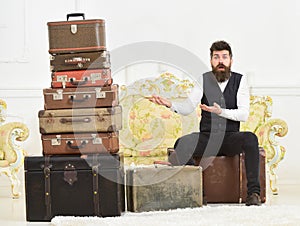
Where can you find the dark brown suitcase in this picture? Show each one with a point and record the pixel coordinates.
(80, 61)
(80, 143)
(73, 186)
(87, 97)
(81, 78)
(224, 178)
(221, 179)
(80, 120)
(76, 35)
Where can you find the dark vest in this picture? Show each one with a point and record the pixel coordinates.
(227, 99)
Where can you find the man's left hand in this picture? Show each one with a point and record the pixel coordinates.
(214, 109)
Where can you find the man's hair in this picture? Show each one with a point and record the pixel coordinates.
(219, 46)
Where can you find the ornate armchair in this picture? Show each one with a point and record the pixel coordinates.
(11, 152)
(267, 131)
(149, 129)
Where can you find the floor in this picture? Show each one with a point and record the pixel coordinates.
(13, 213)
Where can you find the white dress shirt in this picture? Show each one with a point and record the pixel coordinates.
(243, 101)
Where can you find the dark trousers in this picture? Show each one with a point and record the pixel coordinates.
(206, 144)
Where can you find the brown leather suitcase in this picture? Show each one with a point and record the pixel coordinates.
(224, 178)
(85, 97)
(80, 61)
(76, 35)
(73, 186)
(221, 179)
(80, 143)
(160, 187)
(81, 78)
(80, 120)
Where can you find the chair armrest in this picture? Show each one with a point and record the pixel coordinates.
(267, 135)
(12, 134)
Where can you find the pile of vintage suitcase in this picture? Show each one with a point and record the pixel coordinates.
(79, 173)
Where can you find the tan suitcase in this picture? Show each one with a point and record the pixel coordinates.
(87, 97)
(80, 143)
(80, 120)
(163, 187)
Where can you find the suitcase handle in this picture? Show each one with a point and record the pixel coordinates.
(85, 98)
(74, 120)
(79, 83)
(108, 82)
(82, 145)
(75, 15)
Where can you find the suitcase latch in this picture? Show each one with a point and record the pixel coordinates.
(95, 76)
(63, 79)
(96, 140)
(73, 28)
(56, 141)
(58, 95)
(70, 174)
(100, 94)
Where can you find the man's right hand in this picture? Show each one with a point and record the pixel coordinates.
(159, 100)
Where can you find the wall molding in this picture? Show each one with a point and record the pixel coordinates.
(275, 90)
(21, 93)
(23, 56)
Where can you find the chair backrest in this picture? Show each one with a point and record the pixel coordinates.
(147, 126)
(260, 112)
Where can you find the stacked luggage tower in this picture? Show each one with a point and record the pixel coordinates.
(79, 172)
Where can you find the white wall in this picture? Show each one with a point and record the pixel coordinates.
(264, 36)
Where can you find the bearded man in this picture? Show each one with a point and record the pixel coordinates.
(224, 101)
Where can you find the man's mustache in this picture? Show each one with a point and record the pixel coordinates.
(221, 66)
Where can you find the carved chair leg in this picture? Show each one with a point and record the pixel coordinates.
(272, 165)
(15, 183)
(273, 179)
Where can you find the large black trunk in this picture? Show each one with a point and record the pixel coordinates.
(73, 186)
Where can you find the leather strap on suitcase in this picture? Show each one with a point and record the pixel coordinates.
(96, 197)
(47, 174)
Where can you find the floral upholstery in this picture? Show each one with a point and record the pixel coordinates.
(149, 129)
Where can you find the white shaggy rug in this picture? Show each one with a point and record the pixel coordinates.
(224, 215)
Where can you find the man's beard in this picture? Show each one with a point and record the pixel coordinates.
(221, 76)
